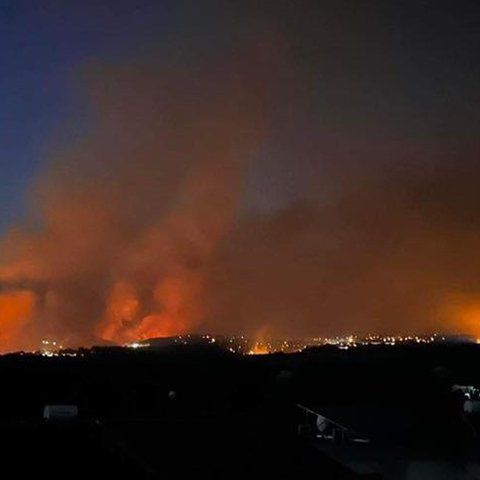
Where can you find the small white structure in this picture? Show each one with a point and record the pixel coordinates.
(60, 412)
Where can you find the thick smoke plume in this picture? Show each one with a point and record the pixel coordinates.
(125, 222)
(384, 238)
(144, 228)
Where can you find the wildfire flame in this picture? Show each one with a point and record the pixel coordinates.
(126, 222)
(259, 349)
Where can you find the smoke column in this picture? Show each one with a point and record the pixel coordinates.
(383, 238)
(125, 221)
(208, 197)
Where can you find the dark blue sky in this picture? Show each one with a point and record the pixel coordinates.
(42, 46)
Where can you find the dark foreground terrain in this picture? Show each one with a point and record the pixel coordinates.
(204, 413)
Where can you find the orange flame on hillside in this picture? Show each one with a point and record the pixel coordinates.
(259, 349)
(127, 221)
(174, 310)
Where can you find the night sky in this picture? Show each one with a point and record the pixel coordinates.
(44, 46)
(293, 167)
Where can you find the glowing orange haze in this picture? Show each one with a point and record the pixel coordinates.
(126, 221)
(16, 309)
(135, 229)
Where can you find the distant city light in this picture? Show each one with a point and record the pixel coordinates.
(136, 345)
(244, 345)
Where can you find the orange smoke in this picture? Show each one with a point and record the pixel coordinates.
(135, 229)
(126, 221)
(461, 313)
(175, 309)
(16, 309)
